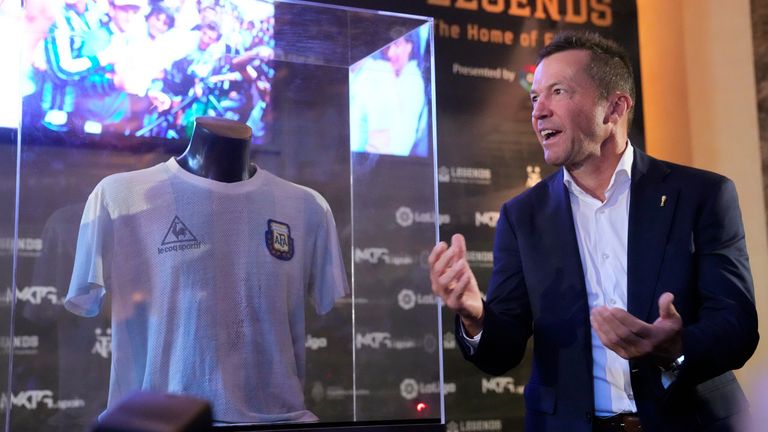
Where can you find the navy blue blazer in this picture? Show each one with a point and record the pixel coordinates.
(692, 246)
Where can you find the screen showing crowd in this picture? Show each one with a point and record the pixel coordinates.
(147, 68)
(390, 98)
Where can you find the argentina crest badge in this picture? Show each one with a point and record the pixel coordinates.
(279, 240)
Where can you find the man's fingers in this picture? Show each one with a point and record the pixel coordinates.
(437, 265)
(443, 261)
(451, 276)
(606, 324)
(465, 278)
(460, 245)
(613, 341)
(457, 290)
(436, 252)
(620, 332)
(452, 279)
(606, 334)
(666, 307)
(621, 319)
(442, 254)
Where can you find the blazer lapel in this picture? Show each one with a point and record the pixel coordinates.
(573, 301)
(651, 209)
(562, 230)
(561, 234)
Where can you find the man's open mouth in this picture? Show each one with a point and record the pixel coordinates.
(548, 134)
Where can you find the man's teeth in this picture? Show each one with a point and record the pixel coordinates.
(548, 133)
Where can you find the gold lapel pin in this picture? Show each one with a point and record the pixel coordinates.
(663, 200)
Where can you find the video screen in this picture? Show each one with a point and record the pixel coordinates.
(10, 28)
(148, 68)
(390, 98)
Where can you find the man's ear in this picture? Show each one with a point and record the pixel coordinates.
(619, 105)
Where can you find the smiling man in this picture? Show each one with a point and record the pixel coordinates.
(630, 273)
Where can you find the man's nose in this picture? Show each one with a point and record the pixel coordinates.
(540, 109)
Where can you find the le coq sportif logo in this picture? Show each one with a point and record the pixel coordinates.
(178, 237)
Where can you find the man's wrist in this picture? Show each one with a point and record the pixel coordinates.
(473, 324)
(471, 327)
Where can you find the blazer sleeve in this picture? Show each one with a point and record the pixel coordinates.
(724, 333)
(507, 323)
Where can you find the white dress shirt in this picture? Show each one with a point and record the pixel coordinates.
(601, 232)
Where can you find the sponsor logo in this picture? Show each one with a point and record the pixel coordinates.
(315, 343)
(376, 255)
(490, 425)
(178, 238)
(320, 392)
(382, 340)
(336, 392)
(279, 240)
(355, 300)
(444, 174)
(424, 259)
(34, 399)
(405, 217)
(534, 175)
(410, 388)
(525, 77)
(34, 295)
(372, 255)
(103, 345)
(317, 393)
(430, 343)
(26, 247)
(465, 175)
(22, 344)
(449, 341)
(501, 385)
(480, 258)
(407, 299)
(489, 218)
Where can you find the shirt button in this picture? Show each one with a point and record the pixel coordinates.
(612, 302)
(606, 256)
(601, 211)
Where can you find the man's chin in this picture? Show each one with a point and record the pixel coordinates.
(554, 160)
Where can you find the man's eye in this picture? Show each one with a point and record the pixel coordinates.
(557, 91)
(534, 99)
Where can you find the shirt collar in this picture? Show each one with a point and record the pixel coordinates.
(623, 171)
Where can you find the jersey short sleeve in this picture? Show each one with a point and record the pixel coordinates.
(92, 257)
(328, 279)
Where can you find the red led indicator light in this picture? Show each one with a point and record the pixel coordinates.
(421, 406)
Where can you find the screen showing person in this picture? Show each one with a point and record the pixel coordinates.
(389, 99)
(147, 68)
(10, 26)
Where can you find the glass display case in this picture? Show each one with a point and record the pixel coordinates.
(338, 100)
